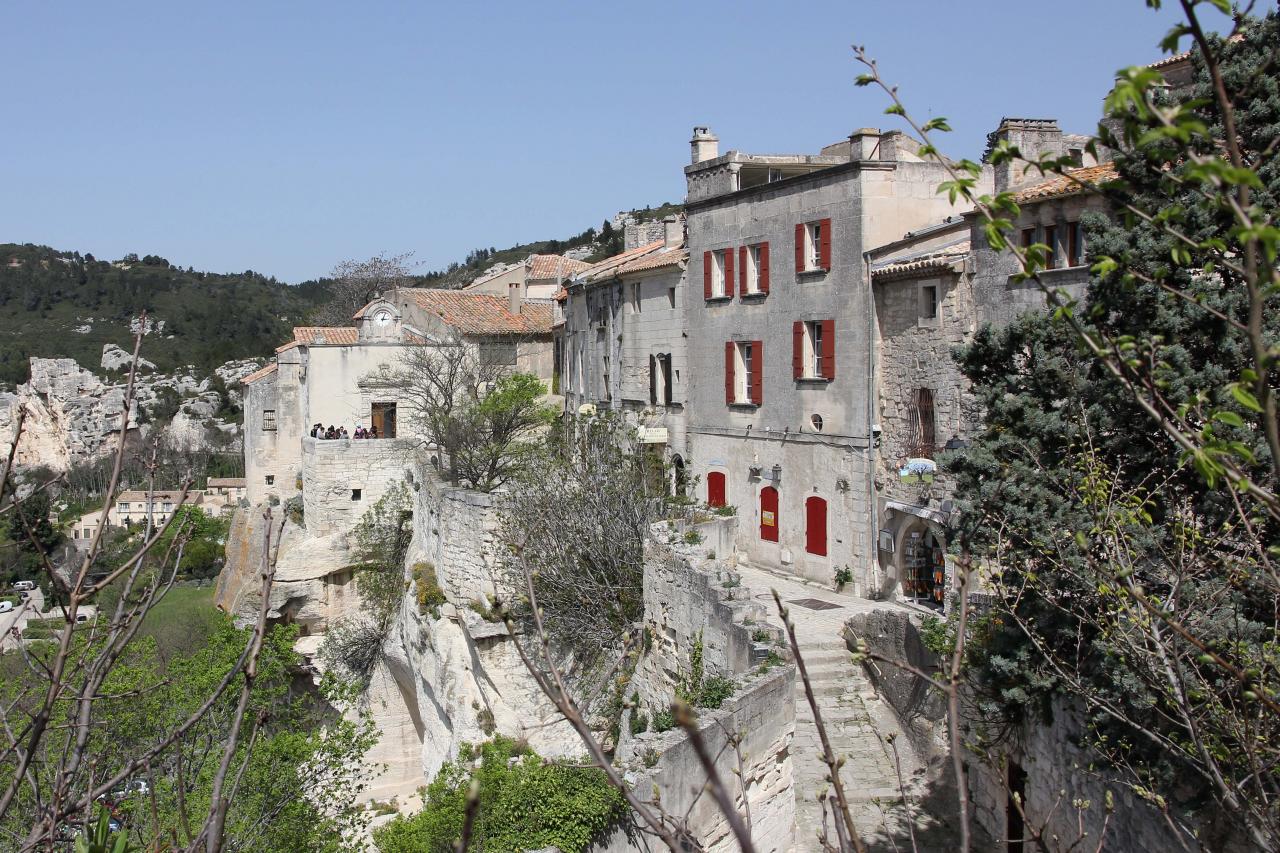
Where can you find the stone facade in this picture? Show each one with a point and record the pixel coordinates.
(816, 433)
(342, 479)
(455, 530)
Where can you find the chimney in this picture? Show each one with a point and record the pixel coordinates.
(1034, 138)
(514, 297)
(673, 232)
(705, 144)
(864, 144)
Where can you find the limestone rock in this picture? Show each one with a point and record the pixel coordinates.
(115, 358)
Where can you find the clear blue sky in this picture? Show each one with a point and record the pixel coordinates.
(287, 137)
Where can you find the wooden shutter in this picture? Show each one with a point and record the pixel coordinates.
(742, 270)
(706, 275)
(824, 245)
(728, 372)
(669, 379)
(728, 273)
(797, 350)
(762, 274)
(757, 372)
(800, 247)
(653, 379)
(829, 349)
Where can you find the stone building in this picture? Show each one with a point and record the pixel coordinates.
(780, 422)
(537, 277)
(334, 376)
(622, 342)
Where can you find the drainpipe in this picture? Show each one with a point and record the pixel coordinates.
(874, 519)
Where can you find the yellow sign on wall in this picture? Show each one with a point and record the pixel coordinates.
(766, 518)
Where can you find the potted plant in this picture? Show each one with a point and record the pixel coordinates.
(843, 576)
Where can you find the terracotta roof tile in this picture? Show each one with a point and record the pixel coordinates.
(258, 374)
(482, 313)
(656, 260)
(609, 266)
(1068, 183)
(312, 336)
(910, 263)
(552, 266)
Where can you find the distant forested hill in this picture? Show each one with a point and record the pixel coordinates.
(64, 304)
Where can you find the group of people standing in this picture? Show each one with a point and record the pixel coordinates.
(320, 431)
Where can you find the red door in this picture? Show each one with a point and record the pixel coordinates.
(815, 526)
(715, 488)
(769, 514)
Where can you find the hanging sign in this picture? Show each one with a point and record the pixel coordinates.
(766, 518)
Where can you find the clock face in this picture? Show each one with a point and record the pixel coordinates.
(382, 318)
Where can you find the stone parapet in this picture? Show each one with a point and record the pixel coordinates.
(342, 478)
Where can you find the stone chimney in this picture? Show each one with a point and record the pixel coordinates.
(1033, 137)
(864, 144)
(673, 232)
(515, 297)
(705, 144)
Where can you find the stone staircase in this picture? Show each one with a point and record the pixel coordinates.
(852, 717)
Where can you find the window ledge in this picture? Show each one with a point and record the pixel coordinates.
(754, 296)
(728, 298)
(816, 272)
(750, 406)
(814, 380)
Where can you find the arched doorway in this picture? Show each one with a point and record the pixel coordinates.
(715, 488)
(815, 526)
(769, 514)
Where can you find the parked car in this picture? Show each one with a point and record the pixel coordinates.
(21, 585)
(6, 606)
(81, 617)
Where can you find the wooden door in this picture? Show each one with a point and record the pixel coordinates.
(715, 488)
(769, 514)
(382, 417)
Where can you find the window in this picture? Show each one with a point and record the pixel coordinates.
(1075, 243)
(717, 274)
(928, 302)
(268, 420)
(660, 379)
(716, 488)
(920, 424)
(607, 394)
(1051, 240)
(744, 373)
(1028, 237)
(497, 354)
(668, 379)
(813, 353)
(355, 494)
(123, 506)
(753, 266)
(271, 479)
(635, 297)
(769, 514)
(774, 175)
(813, 246)
(167, 506)
(671, 298)
(815, 526)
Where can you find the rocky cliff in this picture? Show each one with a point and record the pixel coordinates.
(75, 415)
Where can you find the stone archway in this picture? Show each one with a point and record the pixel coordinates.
(918, 539)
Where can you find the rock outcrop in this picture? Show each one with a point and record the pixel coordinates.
(74, 415)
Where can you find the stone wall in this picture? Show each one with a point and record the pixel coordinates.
(343, 478)
(455, 530)
(1061, 776)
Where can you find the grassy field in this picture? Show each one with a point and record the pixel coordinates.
(182, 620)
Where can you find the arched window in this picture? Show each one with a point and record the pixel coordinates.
(769, 514)
(715, 488)
(815, 526)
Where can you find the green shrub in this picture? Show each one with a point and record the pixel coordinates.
(726, 510)
(664, 721)
(430, 595)
(935, 635)
(714, 691)
(639, 723)
(293, 510)
(693, 537)
(523, 805)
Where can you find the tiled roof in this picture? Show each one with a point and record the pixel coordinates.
(258, 374)
(656, 260)
(193, 497)
(226, 482)
(482, 313)
(1069, 183)
(313, 336)
(909, 264)
(551, 266)
(610, 266)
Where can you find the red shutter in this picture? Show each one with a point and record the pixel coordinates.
(728, 273)
(829, 349)
(715, 488)
(757, 372)
(815, 526)
(742, 271)
(824, 245)
(728, 373)
(797, 350)
(800, 247)
(706, 275)
(763, 273)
